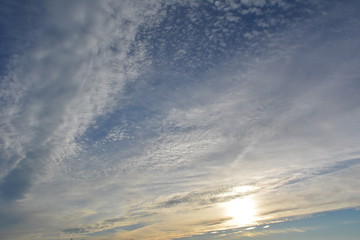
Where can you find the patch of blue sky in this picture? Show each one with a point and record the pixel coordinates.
(12, 15)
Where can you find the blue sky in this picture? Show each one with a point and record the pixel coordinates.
(179, 119)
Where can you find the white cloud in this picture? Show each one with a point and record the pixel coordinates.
(282, 122)
(69, 77)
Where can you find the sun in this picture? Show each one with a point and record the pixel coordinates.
(242, 211)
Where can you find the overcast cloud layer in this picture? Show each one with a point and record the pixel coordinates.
(142, 119)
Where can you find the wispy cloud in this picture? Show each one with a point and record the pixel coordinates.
(143, 119)
(69, 77)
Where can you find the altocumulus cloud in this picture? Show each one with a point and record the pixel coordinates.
(139, 120)
(69, 75)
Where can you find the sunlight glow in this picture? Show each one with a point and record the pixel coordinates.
(242, 211)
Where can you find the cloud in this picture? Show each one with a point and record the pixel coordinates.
(59, 87)
(280, 123)
(146, 118)
(103, 226)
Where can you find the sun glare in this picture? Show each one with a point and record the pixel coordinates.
(242, 211)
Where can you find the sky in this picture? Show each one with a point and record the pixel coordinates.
(179, 119)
